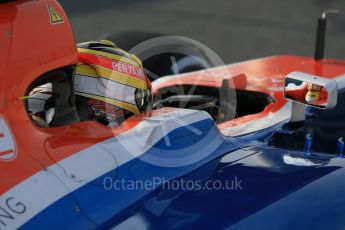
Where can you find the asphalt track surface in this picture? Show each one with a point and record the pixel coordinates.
(235, 30)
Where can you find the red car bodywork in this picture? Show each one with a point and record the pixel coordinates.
(264, 75)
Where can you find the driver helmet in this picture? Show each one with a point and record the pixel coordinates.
(315, 93)
(110, 84)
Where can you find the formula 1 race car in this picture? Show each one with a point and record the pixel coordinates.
(256, 144)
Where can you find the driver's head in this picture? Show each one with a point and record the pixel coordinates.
(315, 92)
(110, 84)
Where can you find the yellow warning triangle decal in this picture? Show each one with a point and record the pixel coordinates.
(55, 17)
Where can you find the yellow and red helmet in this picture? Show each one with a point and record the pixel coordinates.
(316, 94)
(110, 84)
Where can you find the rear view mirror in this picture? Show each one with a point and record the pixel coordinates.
(311, 90)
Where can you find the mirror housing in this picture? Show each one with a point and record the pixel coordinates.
(311, 90)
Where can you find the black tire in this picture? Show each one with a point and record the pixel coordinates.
(188, 56)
